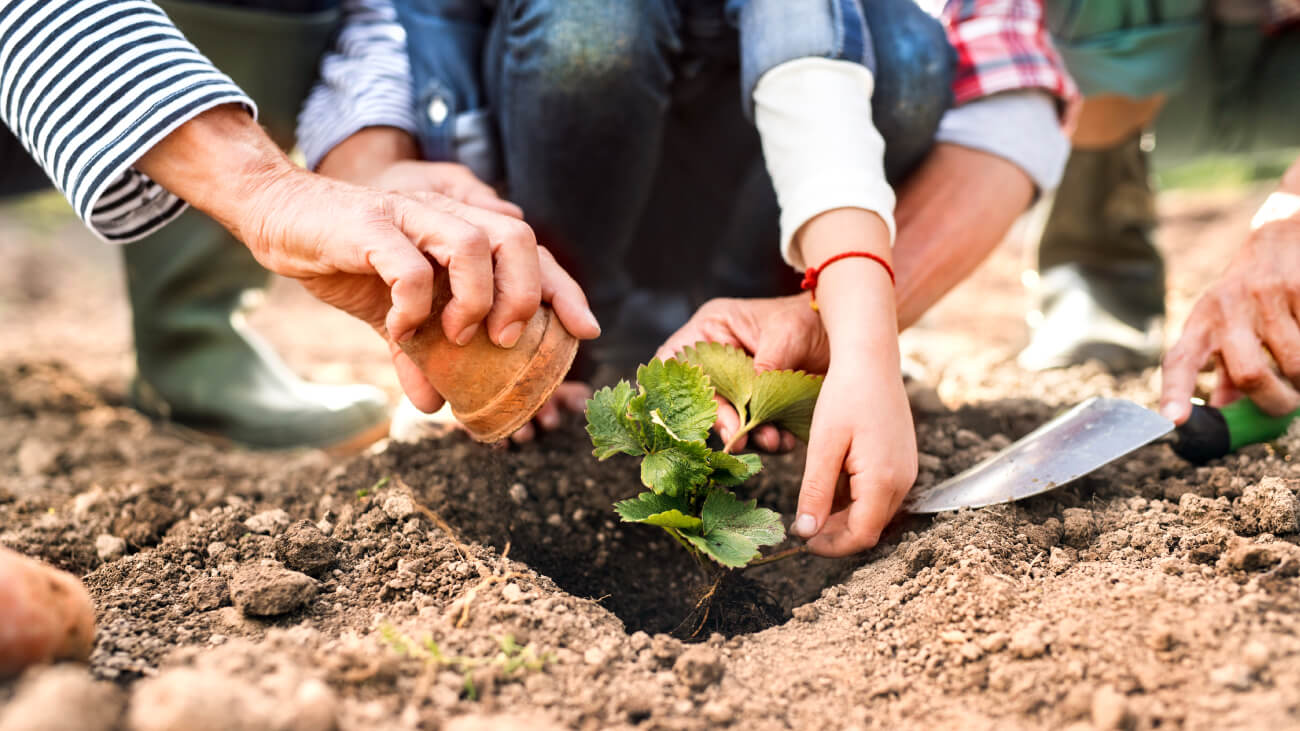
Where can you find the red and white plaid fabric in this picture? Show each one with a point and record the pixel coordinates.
(1003, 45)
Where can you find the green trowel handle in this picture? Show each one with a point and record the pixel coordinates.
(1210, 433)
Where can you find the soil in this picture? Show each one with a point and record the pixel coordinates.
(448, 585)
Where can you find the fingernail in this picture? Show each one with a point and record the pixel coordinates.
(510, 334)
(467, 334)
(405, 337)
(1169, 410)
(804, 526)
(591, 320)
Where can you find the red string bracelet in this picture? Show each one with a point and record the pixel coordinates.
(811, 275)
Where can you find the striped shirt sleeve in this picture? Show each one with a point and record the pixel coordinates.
(365, 81)
(89, 86)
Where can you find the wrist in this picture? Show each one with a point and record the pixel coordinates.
(368, 152)
(855, 295)
(217, 162)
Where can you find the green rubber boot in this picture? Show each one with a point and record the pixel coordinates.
(1101, 286)
(198, 363)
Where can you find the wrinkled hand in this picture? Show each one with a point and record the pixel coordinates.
(1248, 322)
(369, 253)
(372, 255)
(445, 178)
(782, 333)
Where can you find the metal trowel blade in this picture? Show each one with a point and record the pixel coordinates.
(1094, 433)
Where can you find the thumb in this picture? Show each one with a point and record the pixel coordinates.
(778, 348)
(1178, 373)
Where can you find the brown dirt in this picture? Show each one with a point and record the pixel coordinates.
(396, 589)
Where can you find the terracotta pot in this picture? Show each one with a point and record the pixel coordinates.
(493, 390)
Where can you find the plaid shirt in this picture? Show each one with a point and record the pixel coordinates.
(1003, 45)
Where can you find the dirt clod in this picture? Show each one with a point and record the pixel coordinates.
(699, 667)
(1110, 709)
(109, 547)
(304, 547)
(268, 522)
(1269, 506)
(81, 702)
(261, 590)
(1077, 527)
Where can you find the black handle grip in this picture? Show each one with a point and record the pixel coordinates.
(1204, 436)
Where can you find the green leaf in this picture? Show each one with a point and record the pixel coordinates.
(731, 469)
(678, 469)
(728, 549)
(722, 511)
(609, 425)
(680, 394)
(734, 529)
(786, 398)
(730, 370)
(660, 510)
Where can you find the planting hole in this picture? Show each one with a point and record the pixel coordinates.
(551, 501)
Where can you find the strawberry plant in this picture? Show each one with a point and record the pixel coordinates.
(666, 420)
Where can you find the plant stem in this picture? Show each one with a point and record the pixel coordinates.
(779, 555)
(735, 438)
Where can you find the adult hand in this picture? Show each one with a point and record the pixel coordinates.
(388, 158)
(782, 333)
(369, 253)
(1247, 320)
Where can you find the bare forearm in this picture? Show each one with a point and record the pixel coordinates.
(855, 297)
(215, 161)
(366, 154)
(951, 214)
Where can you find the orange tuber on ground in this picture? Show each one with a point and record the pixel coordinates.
(45, 614)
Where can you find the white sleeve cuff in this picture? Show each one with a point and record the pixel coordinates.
(821, 146)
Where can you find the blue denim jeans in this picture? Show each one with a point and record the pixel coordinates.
(622, 139)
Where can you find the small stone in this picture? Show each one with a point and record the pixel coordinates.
(60, 698)
(1061, 559)
(268, 522)
(928, 462)
(1029, 642)
(1234, 676)
(971, 651)
(209, 592)
(805, 613)
(665, 649)
(1256, 655)
(1161, 638)
(36, 457)
(399, 506)
(995, 642)
(216, 548)
(267, 591)
(699, 667)
(195, 700)
(1196, 509)
(639, 641)
(1077, 527)
(594, 656)
(109, 548)
(305, 548)
(718, 713)
(1268, 507)
(518, 493)
(512, 593)
(965, 439)
(1109, 709)
(953, 636)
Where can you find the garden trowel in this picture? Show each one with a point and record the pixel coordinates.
(1088, 436)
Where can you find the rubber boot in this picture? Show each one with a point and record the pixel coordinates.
(198, 363)
(1101, 286)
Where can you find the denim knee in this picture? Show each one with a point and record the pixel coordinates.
(914, 73)
(906, 49)
(589, 47)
